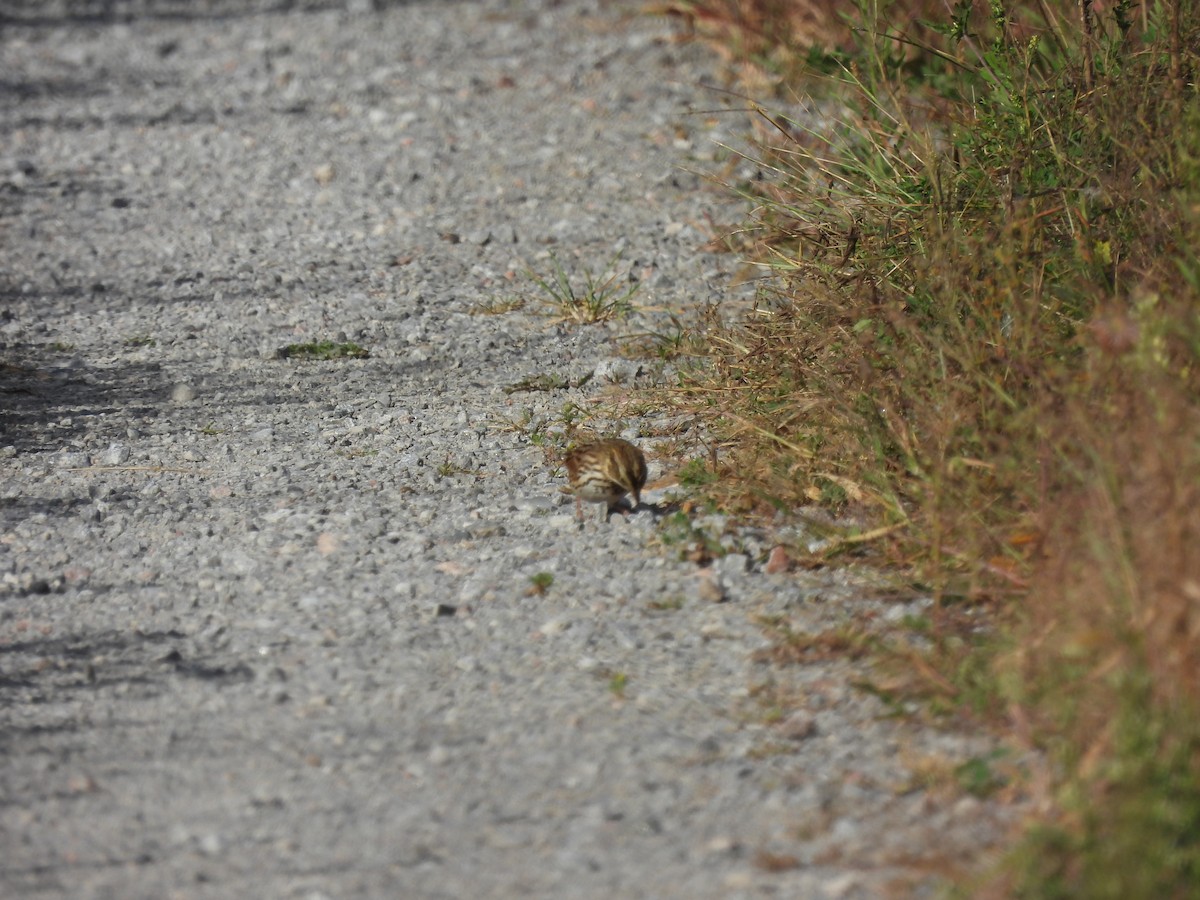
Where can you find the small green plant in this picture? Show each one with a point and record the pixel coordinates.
(140, 340)
(599, 298)
(323, 350)
(617, 684)
(540, 583)
(448, 468)
(571, 414)
(61, 346)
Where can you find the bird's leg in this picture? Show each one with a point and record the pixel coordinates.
(618, 506)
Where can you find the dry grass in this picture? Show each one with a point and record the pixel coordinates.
(980, 334)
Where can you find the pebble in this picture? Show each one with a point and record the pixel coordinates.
(183, 393)
(798, 726)
(709, 587)
(115, 455)
(72, 460)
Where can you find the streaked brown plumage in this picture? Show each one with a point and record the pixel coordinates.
(604, 472)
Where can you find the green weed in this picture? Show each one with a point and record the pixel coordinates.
(600, 296)
(617, 684)
(540, 583)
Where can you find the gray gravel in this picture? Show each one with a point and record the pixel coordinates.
(266, 626)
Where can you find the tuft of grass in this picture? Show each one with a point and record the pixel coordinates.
(978, 330)
(448, 468)
(597, 297)
(323, 350)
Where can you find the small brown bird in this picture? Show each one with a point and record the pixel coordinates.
(604, 472)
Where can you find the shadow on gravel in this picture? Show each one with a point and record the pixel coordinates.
(49, 396)
(20, 90)
(44, 671)
(20, 509)
(50, 13)
(173, 116)
(44, 407)
(77, 704)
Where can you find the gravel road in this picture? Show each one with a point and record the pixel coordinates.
(267, 625)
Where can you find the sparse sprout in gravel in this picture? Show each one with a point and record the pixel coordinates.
(601, 297)
(448, 468)
(617, 684)
(540, 583)
(570, 414)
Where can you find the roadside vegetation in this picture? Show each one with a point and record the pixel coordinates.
(979, 332)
